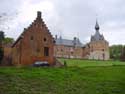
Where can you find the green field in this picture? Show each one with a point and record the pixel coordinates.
(89, 63)
(94, 79)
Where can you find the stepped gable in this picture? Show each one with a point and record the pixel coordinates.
(37, 21)
(35, 44)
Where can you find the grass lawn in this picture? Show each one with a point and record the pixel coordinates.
(88, 63)
(68, 80)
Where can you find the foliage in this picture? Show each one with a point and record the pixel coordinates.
(116, 51)
(67, 80)
(123, 54)
(1, 35)
(8, 40)
(1, 45)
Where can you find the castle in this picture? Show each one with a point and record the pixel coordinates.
(97, 48)
(36, 43)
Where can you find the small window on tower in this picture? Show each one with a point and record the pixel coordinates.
(31, 37)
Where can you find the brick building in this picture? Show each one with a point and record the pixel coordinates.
(97, 48)
(65, 48)
(34, 44)
(37, 44)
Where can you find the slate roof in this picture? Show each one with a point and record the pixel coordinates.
(97, 36)
(66, 42)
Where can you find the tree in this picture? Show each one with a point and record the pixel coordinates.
(122, 58)
(1, 37)
(8, 40)
(1, 45)
(115, 52)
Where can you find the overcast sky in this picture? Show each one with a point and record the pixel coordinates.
(68, 18)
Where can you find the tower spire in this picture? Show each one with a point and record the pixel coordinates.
(97, 26)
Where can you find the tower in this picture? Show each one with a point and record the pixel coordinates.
(99, 47)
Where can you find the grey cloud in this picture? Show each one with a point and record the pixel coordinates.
(77, 17)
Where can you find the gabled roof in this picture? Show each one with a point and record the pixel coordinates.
(38, 19)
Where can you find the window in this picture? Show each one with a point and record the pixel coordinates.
(46, 51)
(31, 37)
(37, 50)
(72, 53)
(61, 50)
(45, 39)
(54, 41)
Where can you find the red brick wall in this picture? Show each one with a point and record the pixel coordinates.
(31, 47)
(62, 51)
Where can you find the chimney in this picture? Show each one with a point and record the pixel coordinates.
(75, 38)
(55, 36)
(74, 41)
(39, 14)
